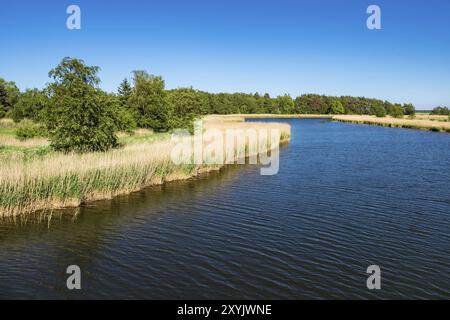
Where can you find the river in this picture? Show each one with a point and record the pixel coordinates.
(346, 197)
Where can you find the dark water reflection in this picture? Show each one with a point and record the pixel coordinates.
(346, 197)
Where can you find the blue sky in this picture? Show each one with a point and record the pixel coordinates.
(275, 46)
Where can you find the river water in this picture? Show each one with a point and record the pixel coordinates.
(346, 197)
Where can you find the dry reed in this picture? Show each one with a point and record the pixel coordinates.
(58, 180)
(410, 123)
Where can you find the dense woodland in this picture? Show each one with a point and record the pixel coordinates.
(78, 116)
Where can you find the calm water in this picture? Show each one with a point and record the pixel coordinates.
(346, 197)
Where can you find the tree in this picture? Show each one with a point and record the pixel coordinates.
(78, 119)
(186, 105)
(379, 111)
(32, 105)
(9, 93)
(285, 104)
(409, 109)
(397, 111)
(148, 102)
(442, 111)
(268, 104)
(336, 107)
(124, 91)
(121, 117)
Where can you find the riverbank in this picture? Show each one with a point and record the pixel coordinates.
(420, 122)
(33, 180)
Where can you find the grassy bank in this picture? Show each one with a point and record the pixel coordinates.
(420, 122)
(32, 182)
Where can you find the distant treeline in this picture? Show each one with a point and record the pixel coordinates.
(441, 111)
(78, 115)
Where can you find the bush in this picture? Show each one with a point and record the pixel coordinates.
(28, 130)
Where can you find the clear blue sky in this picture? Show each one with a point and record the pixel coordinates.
(275, 46)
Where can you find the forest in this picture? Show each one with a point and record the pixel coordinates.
(76, 115)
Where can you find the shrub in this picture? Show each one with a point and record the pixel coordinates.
(29, 129)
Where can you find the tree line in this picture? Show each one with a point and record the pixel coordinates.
(441, 111)
(78, 116)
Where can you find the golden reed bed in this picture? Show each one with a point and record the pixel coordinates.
(421, 122)
(58, 180)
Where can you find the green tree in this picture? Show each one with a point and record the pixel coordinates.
(285, 104)
(186, 105)
(9, 94)
(119, 115)
(336, 107)
(268, 105)
(442, 111)
(379, 111)
(397, 111)
(32, 105)
(125, 91)
(409, 109)
(78, 119)
(148, 102)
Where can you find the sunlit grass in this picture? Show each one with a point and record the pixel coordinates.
(34, 178)
(419, 122)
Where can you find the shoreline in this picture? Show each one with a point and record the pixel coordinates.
(57, 181)
(405, 123)
(419, 122)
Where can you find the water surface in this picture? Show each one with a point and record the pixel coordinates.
(347, 196)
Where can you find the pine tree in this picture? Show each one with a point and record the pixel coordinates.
(125, 90)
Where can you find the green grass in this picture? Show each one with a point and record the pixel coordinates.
(150, 137)
(28, 153)
(23, 153)
(7, 131)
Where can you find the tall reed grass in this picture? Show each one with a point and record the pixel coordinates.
(420, 123)
(58, 180)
